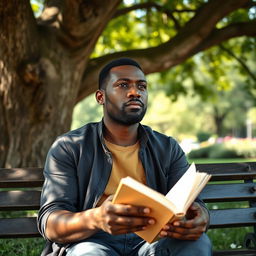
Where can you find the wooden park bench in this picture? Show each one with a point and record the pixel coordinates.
(20, 191)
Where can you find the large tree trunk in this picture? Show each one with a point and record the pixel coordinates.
(45, 67)
(40, 71)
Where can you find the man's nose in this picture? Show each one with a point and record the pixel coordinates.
(133, 92)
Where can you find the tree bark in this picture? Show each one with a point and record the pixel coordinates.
(218, 120)
(41, 68)
(45, 66)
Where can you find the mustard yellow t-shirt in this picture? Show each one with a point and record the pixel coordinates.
(126, 162)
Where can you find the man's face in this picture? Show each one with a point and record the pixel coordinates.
(126, 95)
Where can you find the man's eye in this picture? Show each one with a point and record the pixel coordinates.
(142, 86)
(123, 85)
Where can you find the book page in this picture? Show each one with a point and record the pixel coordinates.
(181, 191)
(200, 182)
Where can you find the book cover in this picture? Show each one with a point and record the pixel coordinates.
(163, 208)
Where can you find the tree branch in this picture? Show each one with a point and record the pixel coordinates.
(153, 5)
(79, 22)
(220, 35)
(197, 35)
(250, 4)
(81, 25)
(149, 5)
(240, 61)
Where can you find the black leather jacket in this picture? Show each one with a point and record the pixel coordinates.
(79, 164)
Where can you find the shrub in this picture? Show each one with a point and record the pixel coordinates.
(230, 149)
(203, 152)
(203, 136)
(214, 151)
(245, 148)
(223, 152)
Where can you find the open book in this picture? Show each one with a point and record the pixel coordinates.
(167, 208)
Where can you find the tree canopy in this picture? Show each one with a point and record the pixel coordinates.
(50, 61)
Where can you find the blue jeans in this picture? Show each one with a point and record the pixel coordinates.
(104, 244)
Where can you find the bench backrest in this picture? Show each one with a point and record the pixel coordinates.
(231, 182)
(20, 190)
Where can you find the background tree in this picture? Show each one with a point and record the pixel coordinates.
(226, 85)
(47, 63)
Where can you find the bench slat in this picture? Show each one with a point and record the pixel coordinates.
(18, 227)
(235, 252)
(21, 177)
(26, 177)
(228, 192)
(229, 171)
(232, 217)
(19, 200)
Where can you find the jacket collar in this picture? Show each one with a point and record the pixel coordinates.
(142, 132)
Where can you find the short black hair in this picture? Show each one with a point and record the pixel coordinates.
(115, 63)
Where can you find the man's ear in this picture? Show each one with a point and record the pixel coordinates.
(100, 97)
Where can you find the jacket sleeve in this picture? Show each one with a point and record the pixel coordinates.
(60, 186)
(178, 164)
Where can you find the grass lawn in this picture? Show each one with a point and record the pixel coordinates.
(228, 238)
(21, 247)
(221, 238)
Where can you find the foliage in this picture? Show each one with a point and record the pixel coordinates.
(213, 71)
(251, 117)
(220, 151)
(202, 152)
(228, 238)
(37, 6)
(142, 27)
(203, 136)
(231, 149)
(87, 111)
(227, 102)
(207, 73)
(245, 148)
(21, 246)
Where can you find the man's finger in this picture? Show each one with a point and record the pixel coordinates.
(128, 210)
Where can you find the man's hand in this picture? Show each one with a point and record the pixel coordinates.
(120, 219)
(191, 228)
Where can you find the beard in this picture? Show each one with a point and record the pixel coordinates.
(125, 116)
(128, 118)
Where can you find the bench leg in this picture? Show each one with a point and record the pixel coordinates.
(250, 241)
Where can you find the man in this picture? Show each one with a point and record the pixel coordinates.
(84, 167)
